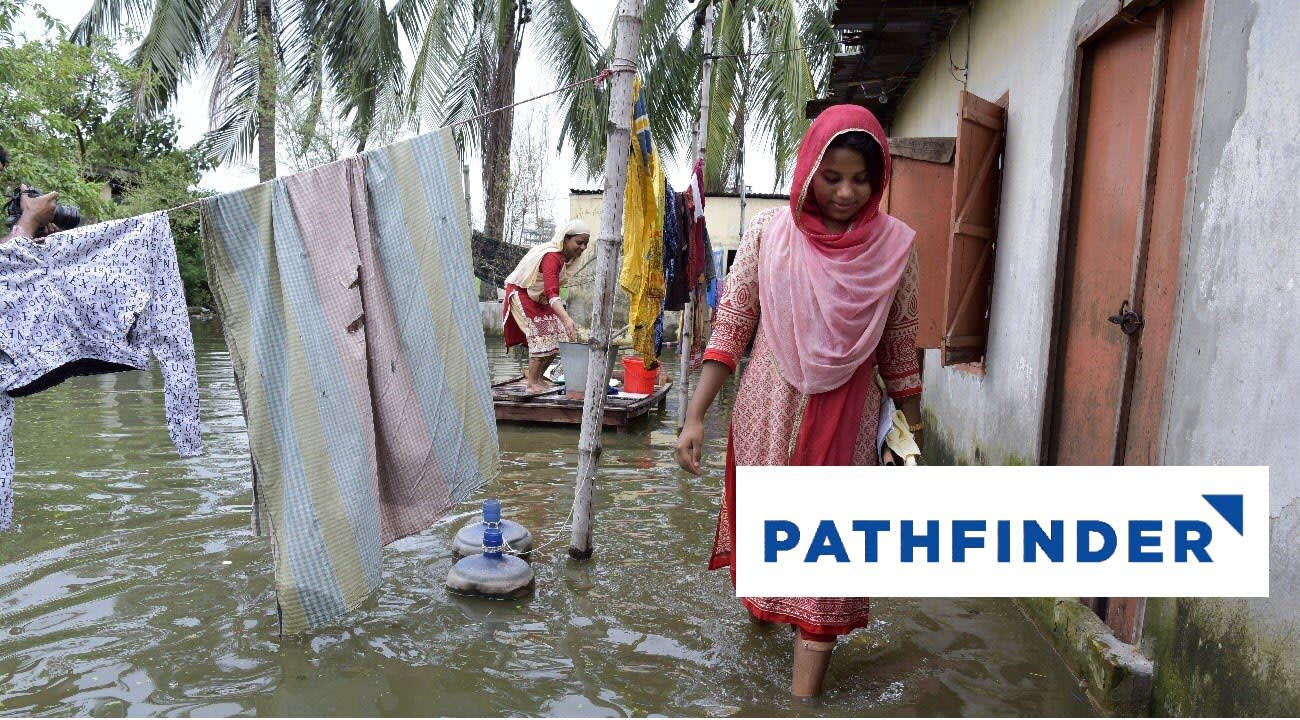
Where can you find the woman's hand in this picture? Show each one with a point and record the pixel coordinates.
(557, 305)
(690, 443)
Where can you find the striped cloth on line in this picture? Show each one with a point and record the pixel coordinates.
(348, 305)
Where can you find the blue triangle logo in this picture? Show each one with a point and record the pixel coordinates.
(1230, 508)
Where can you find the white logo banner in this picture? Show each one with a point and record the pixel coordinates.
(980, 531)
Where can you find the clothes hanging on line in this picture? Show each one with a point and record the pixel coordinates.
(95, 299)
(348, 304)
(642, 276)
(677, 248)
(674, 268)
(697, 257)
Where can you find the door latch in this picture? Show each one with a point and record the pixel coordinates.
(1129, 322)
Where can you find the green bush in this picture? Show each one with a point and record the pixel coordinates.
(66, 121)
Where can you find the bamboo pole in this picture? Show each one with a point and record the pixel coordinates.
(699, 140)
(740, 161)
(608, 247)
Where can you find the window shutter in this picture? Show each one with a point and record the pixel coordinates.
(920, 192)
(977, 180)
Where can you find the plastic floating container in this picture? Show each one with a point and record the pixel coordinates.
(469, 541)
(636, 379)
(574, 357)
(491, 573)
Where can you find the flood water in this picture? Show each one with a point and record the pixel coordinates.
(131, 584)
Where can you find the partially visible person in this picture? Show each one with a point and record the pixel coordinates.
(826, 288)
(37, 216)
(533, 313)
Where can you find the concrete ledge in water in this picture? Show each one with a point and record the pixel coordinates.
(1118, 677)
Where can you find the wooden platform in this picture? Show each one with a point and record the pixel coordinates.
(513, 403)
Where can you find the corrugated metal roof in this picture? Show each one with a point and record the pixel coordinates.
(895, 39)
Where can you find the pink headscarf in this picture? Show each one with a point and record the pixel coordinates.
(825, 296)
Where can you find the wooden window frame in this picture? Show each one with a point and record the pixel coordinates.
(978, 367)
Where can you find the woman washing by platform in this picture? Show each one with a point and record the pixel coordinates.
(533, 313)
(829, 286)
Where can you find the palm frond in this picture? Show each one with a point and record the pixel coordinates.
(359, 42)
(233, 45)
(108, 17)
(451, 63)
(235, 123)
(669, 63)
(171, 47)
(574, 52)
(783, 82)
(819, 37)
(725, 92)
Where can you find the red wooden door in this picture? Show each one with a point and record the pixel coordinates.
(1111, 137)
(1157, 271)
(1137, 92)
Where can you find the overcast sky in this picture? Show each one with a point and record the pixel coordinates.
(533, 79)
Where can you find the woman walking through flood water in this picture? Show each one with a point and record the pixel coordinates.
(829, 286)
(533, 312)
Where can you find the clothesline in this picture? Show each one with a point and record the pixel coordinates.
(598, 77)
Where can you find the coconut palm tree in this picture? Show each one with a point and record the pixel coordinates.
(771, 58)
(466, 54)
(258, 50)
(467, 51)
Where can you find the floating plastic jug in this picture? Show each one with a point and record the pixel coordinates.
(469, 540)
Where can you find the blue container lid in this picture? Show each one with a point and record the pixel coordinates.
(491, 511)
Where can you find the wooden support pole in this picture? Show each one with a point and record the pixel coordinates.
(740, 160)
(608, 247)
(699, 142)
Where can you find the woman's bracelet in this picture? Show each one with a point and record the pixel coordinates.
(915, 427)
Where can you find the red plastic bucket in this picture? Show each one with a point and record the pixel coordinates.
(636, 379)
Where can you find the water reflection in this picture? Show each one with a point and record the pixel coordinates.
(132, 584)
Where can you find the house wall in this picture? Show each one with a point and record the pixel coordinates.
(1018, 47)
(1232, 378)
(721, 212)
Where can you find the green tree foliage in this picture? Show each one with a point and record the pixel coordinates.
(64, 124)
(258, 51)
(772, 57)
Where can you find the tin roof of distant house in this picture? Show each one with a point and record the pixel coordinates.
(748, 195)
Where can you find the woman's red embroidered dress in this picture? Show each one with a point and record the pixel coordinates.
(843, 305)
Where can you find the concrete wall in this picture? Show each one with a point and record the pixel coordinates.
(1233, 377)
(721, 212)
(1018, 47)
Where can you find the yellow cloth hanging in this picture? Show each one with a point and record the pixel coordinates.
(642, 277)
